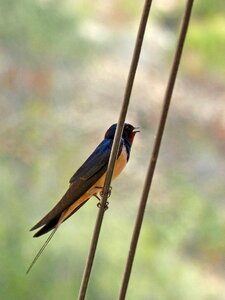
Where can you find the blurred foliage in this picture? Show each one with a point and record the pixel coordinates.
(127, 9)
(206, 35)
(52, 115)
(41, 30)
(206, 9)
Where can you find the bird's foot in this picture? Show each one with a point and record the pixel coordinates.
(101, 195)
(106, 205)
(108, 194)
(99, 202)
(97, 197)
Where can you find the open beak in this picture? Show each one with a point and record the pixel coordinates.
(136, 129)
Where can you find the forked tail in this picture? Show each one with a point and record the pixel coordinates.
(61, 219)
(42, 249)
(66, 214)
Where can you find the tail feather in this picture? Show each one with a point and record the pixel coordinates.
(46, 242)
(42, 248)
(55, 223)
(51, 225)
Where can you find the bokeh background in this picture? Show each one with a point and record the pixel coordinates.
(64, 67)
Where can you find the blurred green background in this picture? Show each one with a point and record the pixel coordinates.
(63, 71)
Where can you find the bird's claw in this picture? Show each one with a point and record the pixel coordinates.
(108, 194)
(106, 205)
(101, 195)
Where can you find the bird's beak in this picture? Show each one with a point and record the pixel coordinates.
(136, 129)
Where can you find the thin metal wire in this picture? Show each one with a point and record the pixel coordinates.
(155, 152)
(115, 147)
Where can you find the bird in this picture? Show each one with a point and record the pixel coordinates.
(87, 181)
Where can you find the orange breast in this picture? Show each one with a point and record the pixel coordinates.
(119, 166)
(97, 187)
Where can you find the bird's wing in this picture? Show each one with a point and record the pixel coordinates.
(92, 169)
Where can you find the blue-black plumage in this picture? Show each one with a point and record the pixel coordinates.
(88, 180)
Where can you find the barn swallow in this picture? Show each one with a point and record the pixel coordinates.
(88, 181)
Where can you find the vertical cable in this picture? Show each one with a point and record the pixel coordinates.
(155, 152)
(115, 147)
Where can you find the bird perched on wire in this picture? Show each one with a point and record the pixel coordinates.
(88, 181)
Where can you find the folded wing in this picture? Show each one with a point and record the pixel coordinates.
(85, 177)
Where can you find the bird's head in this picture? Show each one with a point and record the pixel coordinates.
(129, 132)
